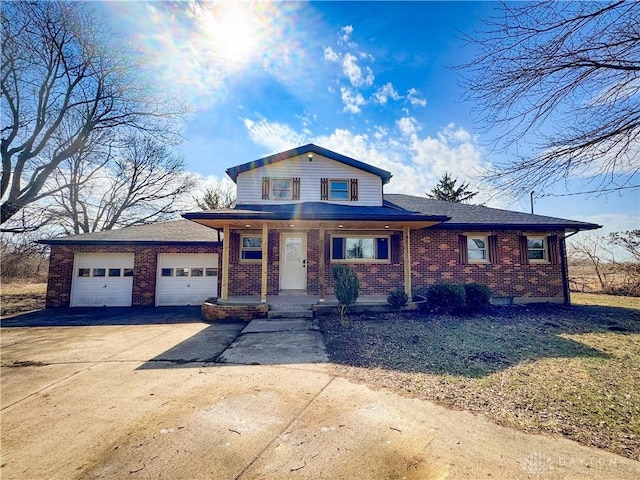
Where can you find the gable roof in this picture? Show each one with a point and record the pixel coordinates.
(176, 232)
(233, 172)
(478, 216)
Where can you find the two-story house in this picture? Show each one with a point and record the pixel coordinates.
(298, 213)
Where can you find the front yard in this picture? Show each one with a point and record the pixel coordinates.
(570, 371)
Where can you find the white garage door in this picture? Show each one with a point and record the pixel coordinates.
(186, 278)
(102, 280)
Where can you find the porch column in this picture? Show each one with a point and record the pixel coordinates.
(265, 263)
(407, 261)
(224, 293)
(321, 261)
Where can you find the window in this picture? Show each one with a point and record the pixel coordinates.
(84, 272)
(354, 249)
(182, 272)
(197, 272)
(128, 272)
(99, 272)
(211, 272)
(537, 249)
(167, 272)
(251, 247)
(281, 189)
(477, 251)
(338, 190)
(114, 272)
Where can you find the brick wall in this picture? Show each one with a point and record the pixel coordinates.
(144, 268)
(435, 258)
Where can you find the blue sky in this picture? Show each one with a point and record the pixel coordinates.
(372, 80)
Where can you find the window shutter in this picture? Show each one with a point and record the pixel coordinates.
(234, 247)
(338, 248)
(295, 194)
(324, 189)
(354, 189)
(327, 248)
(463, 257)
(395, 248)
(493, 249)
(265, 188)
(524, 255)
(552, 246)
(382, 248)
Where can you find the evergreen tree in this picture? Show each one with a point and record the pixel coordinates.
(446, 190)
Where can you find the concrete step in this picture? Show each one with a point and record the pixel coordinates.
(289, 313)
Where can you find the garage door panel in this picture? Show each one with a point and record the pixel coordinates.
(186, 279)
(104, 279)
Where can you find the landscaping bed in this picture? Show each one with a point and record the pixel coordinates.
(572, 371)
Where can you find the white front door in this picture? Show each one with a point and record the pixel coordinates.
(293, 261)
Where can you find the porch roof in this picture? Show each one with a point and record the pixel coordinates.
(309, 214)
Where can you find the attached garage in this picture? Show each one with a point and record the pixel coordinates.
(102, 280)
(186, 278)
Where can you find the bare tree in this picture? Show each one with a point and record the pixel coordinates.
(218, 197)
(568, 74)
(629, 241)
(135, 183)
(446, 190)
(65, 83)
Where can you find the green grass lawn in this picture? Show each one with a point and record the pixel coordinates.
(572, 371)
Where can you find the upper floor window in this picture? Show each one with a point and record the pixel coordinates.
(338, 189)
(280, 188)
(537, 249)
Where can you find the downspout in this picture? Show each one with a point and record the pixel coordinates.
(565, 267)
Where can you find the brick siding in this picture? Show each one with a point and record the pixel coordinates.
(434, 258)
(144, 269)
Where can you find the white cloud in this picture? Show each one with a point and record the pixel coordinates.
(354, 73)
(416, 160)
(346, 32)
(330, 55)
(351, 99)
(380, 132)
(386, 92)
(276, 137)
(412, 97)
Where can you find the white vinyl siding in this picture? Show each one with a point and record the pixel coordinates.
(310, 174)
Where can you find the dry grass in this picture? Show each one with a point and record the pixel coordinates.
(569, 371)
(604, 300)
(20, 297)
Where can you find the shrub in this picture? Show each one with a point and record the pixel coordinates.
(398, 299)
(477, 295)
(347, 287)
(445, 297)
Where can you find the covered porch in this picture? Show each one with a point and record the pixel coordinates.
(276, 255)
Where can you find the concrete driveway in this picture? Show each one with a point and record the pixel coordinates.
(145, 398)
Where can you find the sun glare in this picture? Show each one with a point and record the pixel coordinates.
(233, 31)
